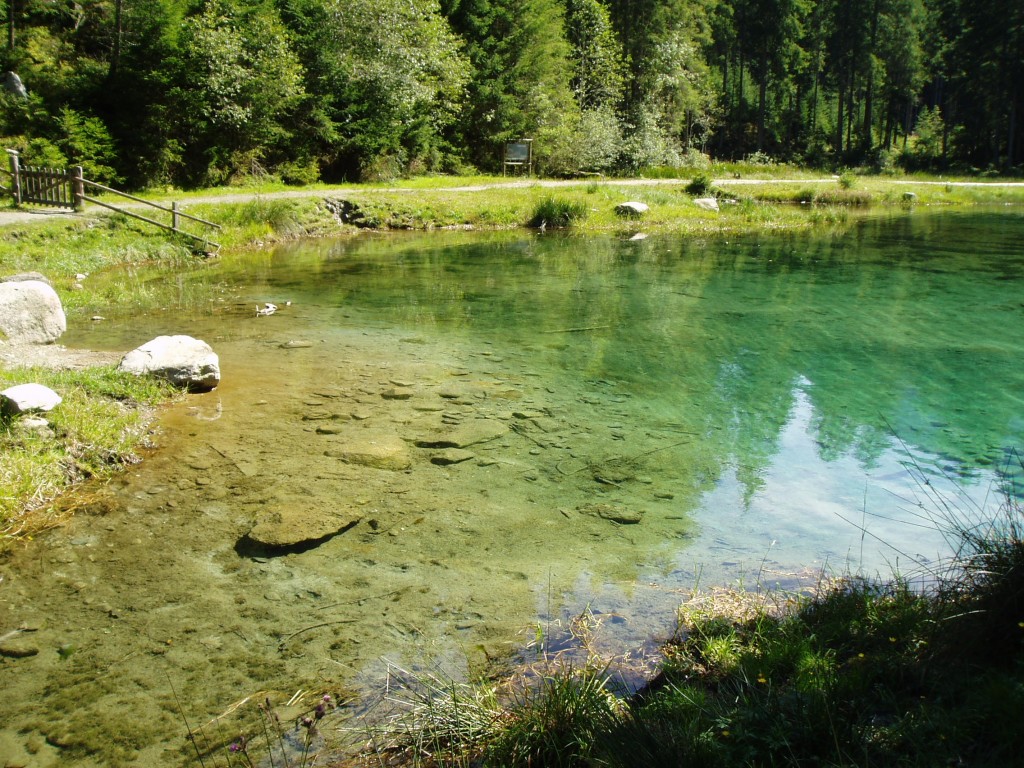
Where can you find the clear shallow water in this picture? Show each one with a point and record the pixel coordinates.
(752, 401)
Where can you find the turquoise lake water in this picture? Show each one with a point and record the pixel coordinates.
(661, 412)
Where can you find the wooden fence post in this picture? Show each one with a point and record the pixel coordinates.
(78, 187)
(15, 176)
(174, 217)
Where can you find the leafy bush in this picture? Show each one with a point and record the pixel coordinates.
(86, 141)
(701, 184)
(647, 144)
(382, 168)
(299, 173)
(759, 158)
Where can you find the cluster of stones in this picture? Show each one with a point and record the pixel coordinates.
(31, 314)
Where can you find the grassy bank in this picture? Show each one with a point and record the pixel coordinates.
(255, 216)
(864, 673)
(100, 426)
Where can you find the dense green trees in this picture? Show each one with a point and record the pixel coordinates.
(204, 91)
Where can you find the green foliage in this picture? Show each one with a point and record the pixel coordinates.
(86, 141)
(598, 66)
(701, 184)
(237, 78)
(557, 721)
(593, 145)
(926, 148)
(385, 79)
(647, 144)
(558, 212)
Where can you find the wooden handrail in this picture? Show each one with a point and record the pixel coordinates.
(67, 189)
(97, 185)
(154, 222)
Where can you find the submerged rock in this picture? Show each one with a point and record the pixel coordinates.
(614, 513)
(452, 456)
(18, 649)
(296, 526)
(465, 435)
(377, 451)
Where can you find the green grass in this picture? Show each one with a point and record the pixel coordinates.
(559, 212)
(99, 427)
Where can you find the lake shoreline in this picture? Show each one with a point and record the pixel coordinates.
(258, 218)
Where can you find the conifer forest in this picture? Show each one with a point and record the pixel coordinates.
(205, 92)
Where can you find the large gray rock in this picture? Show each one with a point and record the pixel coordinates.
(30, 312)
(182, 360)
(21, 277)
(707, 203)
(24, 398)
(632, 209)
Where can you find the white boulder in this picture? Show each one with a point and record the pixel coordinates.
(632, 209)
(184, 361)
(25, 398)
(30, 312)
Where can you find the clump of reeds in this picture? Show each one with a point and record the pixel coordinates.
(558, 212)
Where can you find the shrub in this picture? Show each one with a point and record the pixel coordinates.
(701, 184)
(558, 212)
(559, 722)
(759, 158)
(299, 172)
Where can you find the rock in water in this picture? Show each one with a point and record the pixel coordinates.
(470, 433)
(30, 312)
(614, 513)
(297, 527)
(377, 451)
(185, 362)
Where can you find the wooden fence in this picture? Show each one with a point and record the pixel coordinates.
(58, 188)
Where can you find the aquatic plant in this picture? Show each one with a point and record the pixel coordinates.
(274, 744)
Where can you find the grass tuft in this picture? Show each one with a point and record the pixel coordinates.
(558, 212)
